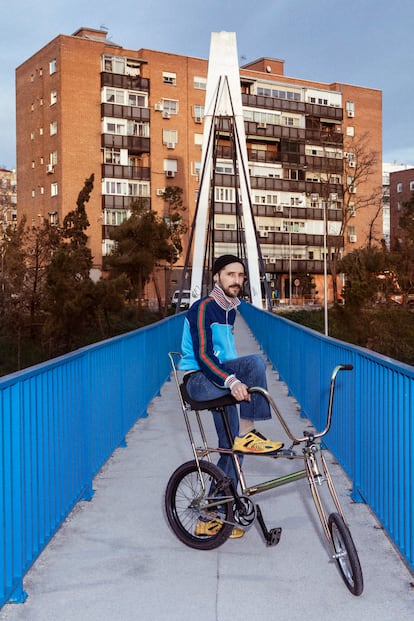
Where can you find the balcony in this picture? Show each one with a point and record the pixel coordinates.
(116, 171)
(134, 144)
(117, 111)
(110, 201)
(278, 238)
(129, 82)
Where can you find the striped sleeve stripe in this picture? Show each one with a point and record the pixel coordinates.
(203, 341)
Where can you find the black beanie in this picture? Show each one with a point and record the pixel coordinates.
(224, 260)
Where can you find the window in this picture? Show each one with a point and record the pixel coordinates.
(198, 139)
(170, 106)
(115, 127)
(53, 189)
(40, 131)
(125, 188)
(224, 194)
(169, 78)
(53, 128)
(112, 156)
(137, 100)
(114, 217)
(170, 166)
(200, 83)
(52, 66)
(170, 136)
(399, 187)
(412, 186)
(53, 218)
(137, 129)
(53, 97)
(108, 245)
(281, 94)
(114, 95)
(225, 168)
(350, 109)
(198, 112)
(350, 131)
(114, 64)
(53, 158)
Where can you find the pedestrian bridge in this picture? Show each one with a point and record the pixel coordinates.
(63, 419)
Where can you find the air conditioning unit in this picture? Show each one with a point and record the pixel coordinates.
(170, 145)
(350, 114)
(165, 115)
(279, 208)
(264, 233)
(170, 174)
(197, 119)
(345, 155)
(272, 260)
(334, 196)
(158, 107)
(314, 197)
(160, 192)
(262, 125)
(352, 163)
(49, 168)
(352, 239)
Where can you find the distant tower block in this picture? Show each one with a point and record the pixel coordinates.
(223, 99)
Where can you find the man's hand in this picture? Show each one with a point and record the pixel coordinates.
(240, 392)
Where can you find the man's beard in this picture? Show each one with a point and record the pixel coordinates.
(232, 291)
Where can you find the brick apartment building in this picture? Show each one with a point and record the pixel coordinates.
(401, 191)
(134, 118)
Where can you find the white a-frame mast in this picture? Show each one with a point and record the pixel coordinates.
(223, 99)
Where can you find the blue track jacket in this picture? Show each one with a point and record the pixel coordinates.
(208, 337)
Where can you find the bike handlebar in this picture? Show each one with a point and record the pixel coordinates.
(320, 434)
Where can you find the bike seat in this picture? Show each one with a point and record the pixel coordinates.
(212, 404)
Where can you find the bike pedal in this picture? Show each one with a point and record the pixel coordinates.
(273, 537)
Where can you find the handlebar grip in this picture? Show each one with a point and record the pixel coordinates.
(347, 367)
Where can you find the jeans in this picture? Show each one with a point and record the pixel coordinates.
(251, 370)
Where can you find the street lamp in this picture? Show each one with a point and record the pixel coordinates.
(325, 269)
(290, 255)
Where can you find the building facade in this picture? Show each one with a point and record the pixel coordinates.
(387, 169)
(401, 190)
(134, 118)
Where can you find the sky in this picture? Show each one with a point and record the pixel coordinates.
(362, 42)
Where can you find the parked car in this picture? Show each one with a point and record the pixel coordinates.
(185, 299)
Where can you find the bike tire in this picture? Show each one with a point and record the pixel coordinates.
(346, 555)
(185, 500)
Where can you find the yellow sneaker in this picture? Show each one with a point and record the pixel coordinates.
(255, 443)
(211, 527)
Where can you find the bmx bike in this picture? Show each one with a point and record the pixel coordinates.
(198, 488)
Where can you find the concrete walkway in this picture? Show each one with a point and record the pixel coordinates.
(115, 558)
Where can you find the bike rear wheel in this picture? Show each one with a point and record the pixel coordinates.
(188, 499)
(345, 554)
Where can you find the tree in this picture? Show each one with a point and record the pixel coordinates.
(141, 241)
(364, 269)
(402, 251)
(70, 301)
(359, 166)
(177, 228)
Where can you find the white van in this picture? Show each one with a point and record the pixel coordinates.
(185, 299)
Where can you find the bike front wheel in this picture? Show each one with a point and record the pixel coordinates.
(345, 554)
(195, 495)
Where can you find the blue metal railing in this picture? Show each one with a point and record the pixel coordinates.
(372, 433)
(60, 421)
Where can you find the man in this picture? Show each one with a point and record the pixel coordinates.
(210, 358)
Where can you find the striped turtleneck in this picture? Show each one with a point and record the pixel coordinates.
(223, 300)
